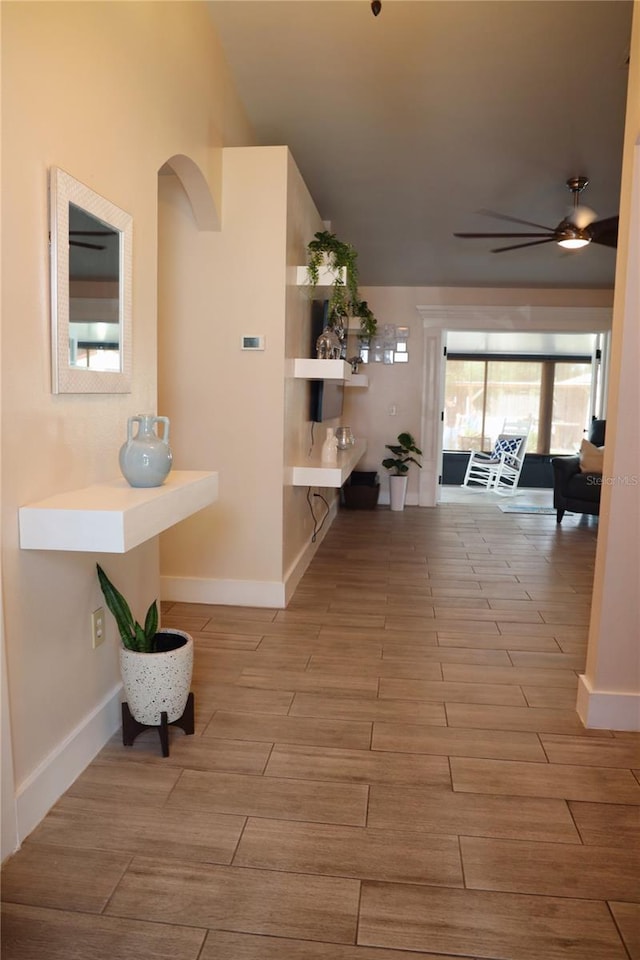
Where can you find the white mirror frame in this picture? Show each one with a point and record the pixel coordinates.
(64, 189)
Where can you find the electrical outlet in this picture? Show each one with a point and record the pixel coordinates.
(97, 627)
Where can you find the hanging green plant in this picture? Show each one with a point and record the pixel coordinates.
(326, 249)
(339, 306)
(368, 322)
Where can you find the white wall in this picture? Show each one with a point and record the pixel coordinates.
(231, 410)
(225, 404)
(609, 694)
(303, 220)
(108, 92)
(8, 826)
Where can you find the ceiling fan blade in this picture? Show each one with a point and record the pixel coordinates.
(471, 235)
(87, 246)
(605, 232)
(503, 216)
(92, 233)
(519, 246)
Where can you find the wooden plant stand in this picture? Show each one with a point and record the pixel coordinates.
(131, 727)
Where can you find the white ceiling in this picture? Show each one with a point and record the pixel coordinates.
(405, 125)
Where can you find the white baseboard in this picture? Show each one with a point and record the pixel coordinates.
(45, 785)
(237, 593)
(296, 571)
(606, 710)
(246, 593)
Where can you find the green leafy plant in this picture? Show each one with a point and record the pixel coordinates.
(402, 455)
(325, 247)
(133, 636)
(338, 307)
(368, 322)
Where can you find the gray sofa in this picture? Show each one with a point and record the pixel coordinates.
(573, 490)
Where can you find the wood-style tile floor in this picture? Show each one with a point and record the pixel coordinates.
(392, 768)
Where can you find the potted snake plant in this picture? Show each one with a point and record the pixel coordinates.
(156, 664)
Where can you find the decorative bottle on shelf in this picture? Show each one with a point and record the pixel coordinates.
(345, 438)
(329, 448)
(145, 459)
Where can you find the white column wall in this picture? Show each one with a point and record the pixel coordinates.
(226, 403)
(609, 692)
(231, 410)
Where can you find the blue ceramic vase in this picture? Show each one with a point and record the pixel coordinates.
(145, 459)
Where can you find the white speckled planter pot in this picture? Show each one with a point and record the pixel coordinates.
(154, 682)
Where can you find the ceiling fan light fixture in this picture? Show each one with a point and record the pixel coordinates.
(572, 237)
(574, 243)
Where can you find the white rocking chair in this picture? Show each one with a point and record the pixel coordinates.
(499, 470)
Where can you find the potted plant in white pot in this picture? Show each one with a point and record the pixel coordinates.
(326, 250)
(156, 667)
(402, 452)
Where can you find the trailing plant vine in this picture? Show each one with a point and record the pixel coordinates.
(325, 248)
(368, 322)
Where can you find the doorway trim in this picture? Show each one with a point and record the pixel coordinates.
(438, 319)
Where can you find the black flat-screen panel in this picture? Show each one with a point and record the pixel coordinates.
(327, 397)
(319, 320)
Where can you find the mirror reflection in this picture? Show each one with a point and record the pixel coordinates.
(94, 292)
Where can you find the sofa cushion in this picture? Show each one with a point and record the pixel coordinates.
(591, 457)
(584, 486)
(506, 445)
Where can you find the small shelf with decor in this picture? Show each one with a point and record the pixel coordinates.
(315, 473)
(311, 369)
(358, 380)
(326, 277)
(112, 517)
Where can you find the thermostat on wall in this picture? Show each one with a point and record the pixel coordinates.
(253, 342)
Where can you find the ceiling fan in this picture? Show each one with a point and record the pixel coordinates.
(88, 233)
(579, 228)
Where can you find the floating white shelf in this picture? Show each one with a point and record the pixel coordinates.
(307, 369)
(358, 380)
(326, 277)
(113, 517)
(314, 473)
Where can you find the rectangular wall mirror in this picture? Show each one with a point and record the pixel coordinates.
(91, 280)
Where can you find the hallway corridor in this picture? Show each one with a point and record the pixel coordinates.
(390, 769)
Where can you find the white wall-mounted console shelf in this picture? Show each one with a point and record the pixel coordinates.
(314, 473)
(326, 277)
(308, 369)
(358, 380)
(113, 517)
